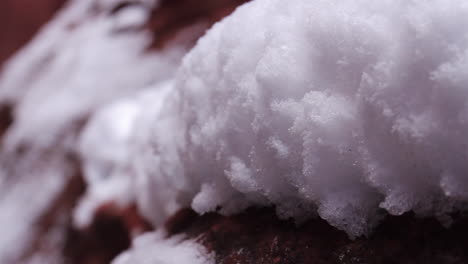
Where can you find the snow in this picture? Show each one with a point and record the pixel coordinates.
(334, 108)
(341, 109)
(83, 59)
(106, 148)
(154, 248)
(24, 199)
(131, 17)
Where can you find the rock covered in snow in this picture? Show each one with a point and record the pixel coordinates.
(339, 108)
(86, 57)
(79, 62)
(92, 53)
(343, 109)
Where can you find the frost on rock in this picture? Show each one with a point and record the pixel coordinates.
(343, 108)
(154, 248)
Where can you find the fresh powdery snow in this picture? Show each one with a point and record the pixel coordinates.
(345, 109)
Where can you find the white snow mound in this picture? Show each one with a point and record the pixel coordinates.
(341, 108)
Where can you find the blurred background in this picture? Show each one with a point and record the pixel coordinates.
(20, 19)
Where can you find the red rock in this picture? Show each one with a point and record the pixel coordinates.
(258, 236)
(20, 20)
(173, 16)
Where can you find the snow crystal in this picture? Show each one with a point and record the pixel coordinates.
(154, 248)
(342, 108)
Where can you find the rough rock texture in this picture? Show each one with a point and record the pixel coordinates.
(257, 236)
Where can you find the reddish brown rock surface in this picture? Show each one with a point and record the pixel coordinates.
(173, 16)
(20, 19)
(109, 234)
(257, 236)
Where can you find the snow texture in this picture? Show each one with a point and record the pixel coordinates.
(345, 109)
(342, 109)
(155, 249)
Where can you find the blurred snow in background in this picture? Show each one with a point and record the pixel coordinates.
(85, 58)
(156, 249)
